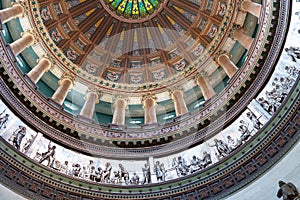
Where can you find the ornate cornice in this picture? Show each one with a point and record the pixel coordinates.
(217, 181)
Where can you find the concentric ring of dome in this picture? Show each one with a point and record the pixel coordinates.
(195, 131)
(92, 42)
(216, 38)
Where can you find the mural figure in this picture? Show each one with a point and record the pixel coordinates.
(233, 144)
(56, 165)
(222, 147)
(135, 179)
(116, 178)
(256, 124)
(76, 169)
(57, 9)
(124, 173)
(107, 172)
(71, 55)
(3, 121)
(28, 143)
(18, 136)
(90, 167)
(270, 108)
(84, 173)
(146, 174)
(293, 52)
(92, 173)
(99, 174)
(274, 98)
(160, 171)
(195, 164)
(180, 166)
(213, 31)
(222, 9)
(206, 160)
(292, 71)
(49, 155)
(245, 133)
(90, 68)
(65, 168)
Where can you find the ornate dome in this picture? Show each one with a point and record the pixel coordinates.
(148, 98)
(164, 50)
(133, 9)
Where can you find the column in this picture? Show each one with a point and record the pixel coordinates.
(65, 85)
(11, 13)
(179, 103)
(251, 7)
(91, 99)
(120, 107)
(25, 41)
(242, 38)
(40, 69)
(149, 105)
(228, 66)
(205, 86)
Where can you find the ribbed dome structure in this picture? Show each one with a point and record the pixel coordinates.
(145, 99)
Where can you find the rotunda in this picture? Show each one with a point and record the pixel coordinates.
(146, 99)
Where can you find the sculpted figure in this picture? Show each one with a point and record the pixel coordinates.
(285, 84)
(298, 13)
(163, 169)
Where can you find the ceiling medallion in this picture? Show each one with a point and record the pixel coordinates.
(133, 10)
